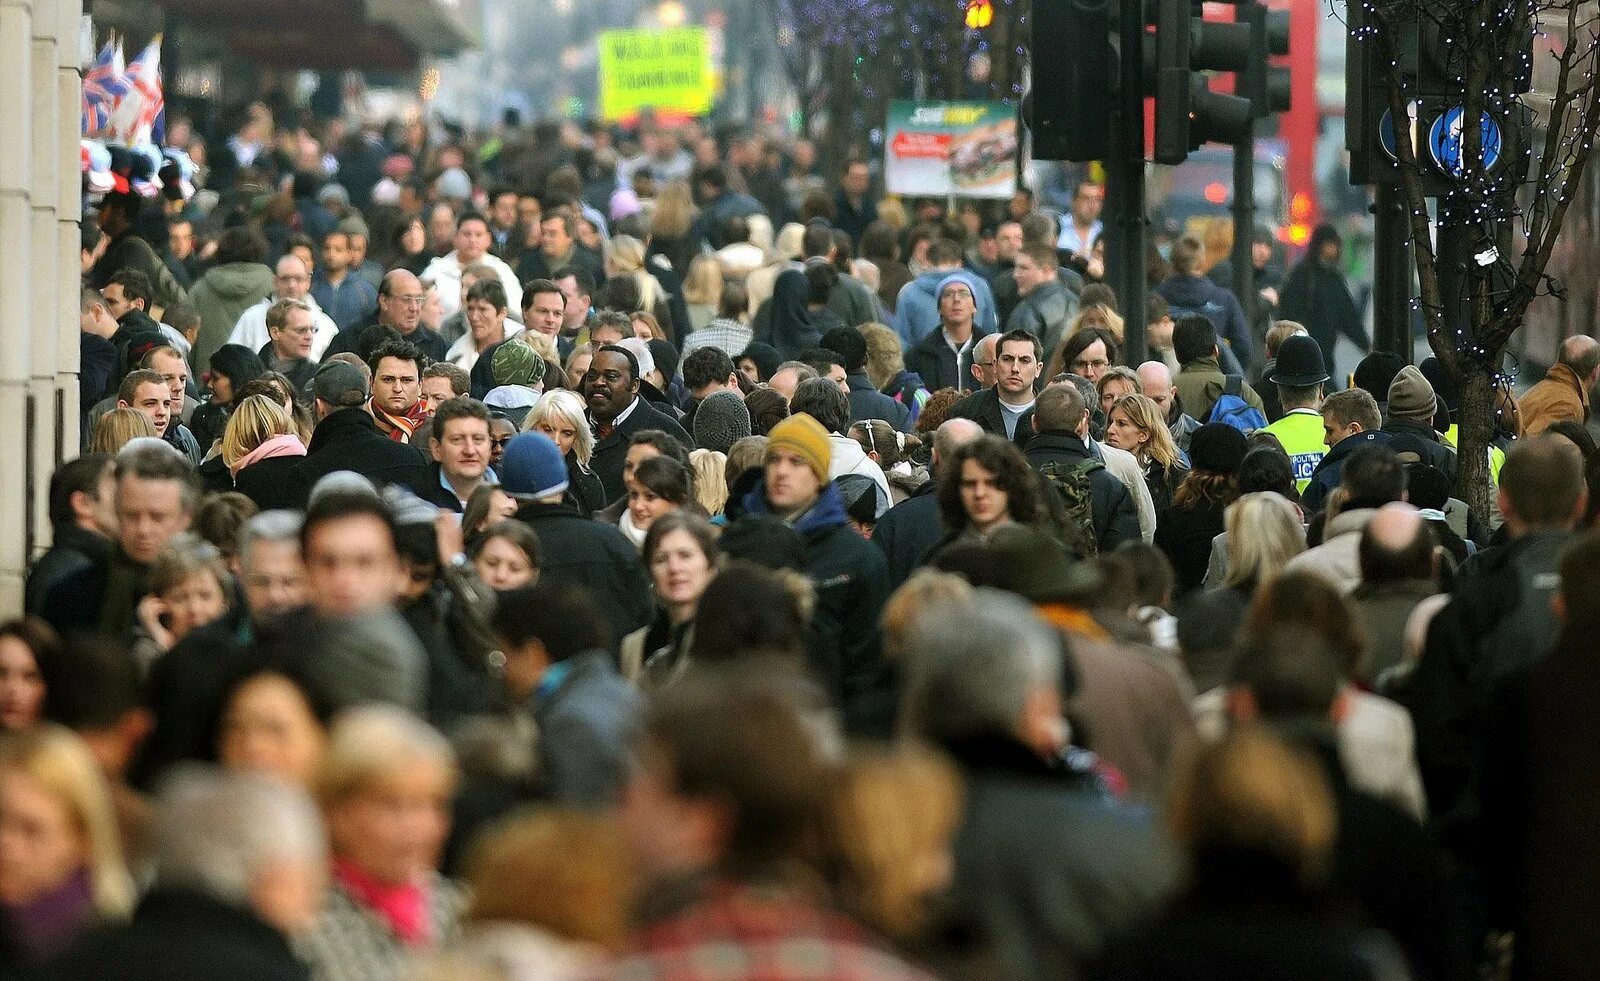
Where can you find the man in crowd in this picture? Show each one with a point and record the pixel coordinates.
(1201, 379)
(909, 531)
(441, 382)
(1350, 420)
(171, 365)
(472, 243)
(718, 202)
(1372, 477)
(1046, 308)
(1059, 452)
(1399, 556)
(577, 286)
(396, 404)
(616, 412)
(461, 451)
(1155, 384)
(83, 521)
(125, 251)
(291, 332)
(542, 306)
(853, 208)
(1412, 406)
(919, 309)
(1563, 393)
(706, 371)
(156, 494)
(1191, 294)
(866, 402)
(400, 299)
(127, 298)
(347, 438)
(558, 249)
(1298, 375)
(1083, 226)
(1004, 410)
(338, 290)
(292, 281)
(849, 298)
(99, 369)
(821, 399)
(942, 357)
(147, 392)
(485, 311)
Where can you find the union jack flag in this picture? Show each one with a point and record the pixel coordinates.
(140, 117)
(104, 84)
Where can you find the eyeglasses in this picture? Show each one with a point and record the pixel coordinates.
(500, 440)
(1085, 365)
(415, 300)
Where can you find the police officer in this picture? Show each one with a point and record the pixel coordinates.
(1298, 376)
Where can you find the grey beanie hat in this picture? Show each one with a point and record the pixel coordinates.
(720, 421)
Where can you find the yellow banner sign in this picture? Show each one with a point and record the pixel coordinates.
(665, 70)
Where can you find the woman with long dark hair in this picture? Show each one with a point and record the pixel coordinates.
(1199, 505)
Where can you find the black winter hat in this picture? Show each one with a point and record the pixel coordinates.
(1299, 363)
(1217, 447)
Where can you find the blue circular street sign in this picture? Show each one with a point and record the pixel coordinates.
(1448, 147)
(1386, 137)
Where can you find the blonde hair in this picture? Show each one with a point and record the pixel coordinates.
(114, 429)
(1144, 413)
(1097, 315)
(1264, 533)
(702, 283)
(791, 241)
(1250, 792)
(371, 742)
(568, 407)
(566, 872)
(894, 817)
(893, 211)
(254, 421)
(1280, 331)
(885, 356)
(542, 344)
(627, 257)
(710, 479)
(925, 588)
(62, 765)
(674, 211)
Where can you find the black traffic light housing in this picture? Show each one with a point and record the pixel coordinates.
(1188, 113)
(1074, 71)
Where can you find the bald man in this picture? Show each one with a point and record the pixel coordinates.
(908, 531)
(983, 363)
(1564, 392)
(1399, 562)
(1155, 384)
(291, 280)
(400, 298)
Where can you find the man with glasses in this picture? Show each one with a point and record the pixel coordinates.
(291, 329)
(291, 281)
(983, 362)
(1006, 409)
(1084, 226)
(400, 298)
(943, 358)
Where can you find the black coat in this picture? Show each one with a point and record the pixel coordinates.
(349, 440)
(611, 452)
(1421, 440)
(984, 409)
(1318, 297)
(1185, 535)
(584, 490)
(1116, 517)
(938, 365)
(186, 690)
(274, 483)
(576, 548)
(299, 372)
(909, 531)
(363, 338)
(180, 935)
(866, 402)
(136, 336)
(73, 550)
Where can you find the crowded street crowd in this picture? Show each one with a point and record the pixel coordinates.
(648, 553)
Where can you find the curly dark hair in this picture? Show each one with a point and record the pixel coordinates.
(1011, 472)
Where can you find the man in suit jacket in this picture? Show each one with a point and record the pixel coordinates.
(617, 412)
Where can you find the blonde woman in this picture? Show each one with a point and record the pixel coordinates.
(702, 290)
(560, 415)
(385, 785)
(117, 427)
(1262, 533)
(1119, 380)
(671, 221)
(1136, 424)
(710, 480)
(1097, 315)
(262, 451)
(68, 873)
(626, 257)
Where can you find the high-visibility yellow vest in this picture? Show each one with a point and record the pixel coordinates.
(1300, 432)
(1497, 456)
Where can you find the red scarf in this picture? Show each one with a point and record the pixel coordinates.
(404, 908)
(398, 428)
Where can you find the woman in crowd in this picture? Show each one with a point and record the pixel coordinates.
(985, 485)
(1263, 534)
(270, 726)
(408, 246)
(671, 221)
(702, 290)
(1134, 423)
(262, 451)
(785, 321)
(506, 555)
(1118, 381)
(231, 367)
(1197, 514)
(487, 505)
(190, 586)
(385, 785)
(61, 863)
(710, 479)
(892, 451)
(561, 415)
(681, 553)
(25, 644)
(657, 486)
(577, 365)
(113, 430)
(646, 327)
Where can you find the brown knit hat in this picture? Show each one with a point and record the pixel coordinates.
(1411, 397)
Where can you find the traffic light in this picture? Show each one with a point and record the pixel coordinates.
(1266, 85)
(1188, 113)
(1068, 107)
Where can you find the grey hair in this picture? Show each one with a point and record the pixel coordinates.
(214, 831)
(279, 526)
(973, 664)
(151, 458)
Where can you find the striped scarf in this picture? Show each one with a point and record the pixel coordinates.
(398, 427)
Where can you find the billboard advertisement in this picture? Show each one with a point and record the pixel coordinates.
(944, 149)
(667, 70)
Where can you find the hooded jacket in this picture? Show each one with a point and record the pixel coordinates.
(1326, 477)
(850, 576)
(221, 297)
(1199, 295)
(916, 311)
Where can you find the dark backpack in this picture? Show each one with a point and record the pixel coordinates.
(1073, 487)
(1231, 408)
